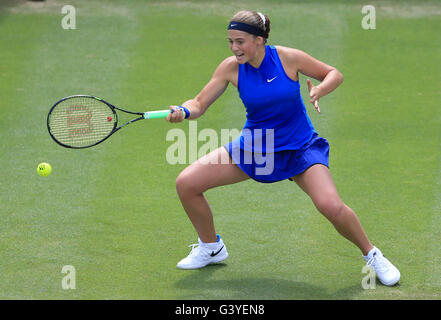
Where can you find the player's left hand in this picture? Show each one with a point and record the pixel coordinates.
(314, 95)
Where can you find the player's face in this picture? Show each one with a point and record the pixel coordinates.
(243, 45)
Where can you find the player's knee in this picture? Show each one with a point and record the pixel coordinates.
(331, 206)
(182, 184)
(187, 185)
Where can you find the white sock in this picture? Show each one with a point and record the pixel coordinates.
(370, 254)
(210, 244)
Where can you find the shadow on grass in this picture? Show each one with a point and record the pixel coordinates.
(200, 285)
(6, 5)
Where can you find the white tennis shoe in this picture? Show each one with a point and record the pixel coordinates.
(203, 254)
(386, 272)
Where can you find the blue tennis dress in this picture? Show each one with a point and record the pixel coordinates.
(278, 140)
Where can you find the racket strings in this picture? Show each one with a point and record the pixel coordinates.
(81, 121)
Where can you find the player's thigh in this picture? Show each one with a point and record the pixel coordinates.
(212, 170)
(317, 182)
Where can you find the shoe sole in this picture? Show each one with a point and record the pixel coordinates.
(391, 283)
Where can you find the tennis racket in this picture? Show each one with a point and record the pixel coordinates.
(83, 121)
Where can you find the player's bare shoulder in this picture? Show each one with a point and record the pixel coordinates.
(290, 55)
(289, 58)
(228, 69)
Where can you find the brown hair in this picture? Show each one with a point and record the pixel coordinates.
(254, 19)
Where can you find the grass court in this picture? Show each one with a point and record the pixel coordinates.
(112, 211)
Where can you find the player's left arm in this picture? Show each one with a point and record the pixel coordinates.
(329, 77)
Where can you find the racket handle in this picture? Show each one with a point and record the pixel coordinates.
(156, 114)
(164, 113)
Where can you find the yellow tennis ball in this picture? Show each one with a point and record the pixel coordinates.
(44, 169)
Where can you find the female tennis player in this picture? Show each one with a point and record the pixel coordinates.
(278, 140)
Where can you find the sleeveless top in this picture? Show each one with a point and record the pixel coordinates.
(276, 115)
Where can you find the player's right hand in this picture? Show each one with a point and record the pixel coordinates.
(176, 114)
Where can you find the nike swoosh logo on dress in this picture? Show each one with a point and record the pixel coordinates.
(269, 80)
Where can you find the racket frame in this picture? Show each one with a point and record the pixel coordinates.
(143, 115)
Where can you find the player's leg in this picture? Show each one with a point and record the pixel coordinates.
(213, 170)
(317, 182)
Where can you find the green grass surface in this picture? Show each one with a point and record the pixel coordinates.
(112, 211)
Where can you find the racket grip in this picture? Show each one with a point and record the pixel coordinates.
(156, 114)
(164, 113)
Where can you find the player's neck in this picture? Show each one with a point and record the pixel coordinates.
(256, 61)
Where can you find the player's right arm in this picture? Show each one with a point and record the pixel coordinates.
(226, 72)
